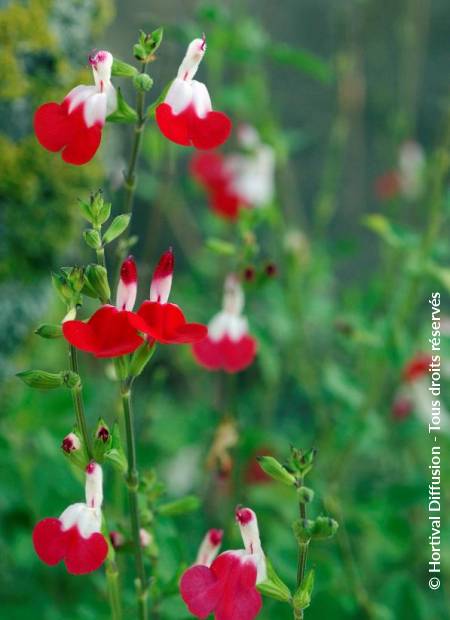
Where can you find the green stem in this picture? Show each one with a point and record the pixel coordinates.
(78, 402)
(302, 557)
(112, 576)
(133, 485)
(130, 177)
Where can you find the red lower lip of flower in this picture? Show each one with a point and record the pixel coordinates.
(210, 171)
(227, 589)
(80, 555)
(108, 333)
(188, 129)
(417, 367)
(225, 354)
(58, 130)
(166, 324)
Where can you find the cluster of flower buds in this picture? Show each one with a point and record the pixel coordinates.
(226, 585)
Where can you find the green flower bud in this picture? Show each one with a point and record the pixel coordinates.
(71, 379)
(324, 527)
(301, 461)
(46, 330)
(41, 379)
(305, 495)
(302, 597)
(142, 81)
(275, 470)
(122, 69)
(303, 529)
(179, 506)
(92, 238)
(62, 287)
(140, 358)
(102, 440)
(74, 449)
(116, 228)
(97, 279)
(116, 454)
(75, 277)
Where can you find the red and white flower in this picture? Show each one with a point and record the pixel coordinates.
(108, 333)
(407, 179)
(209, 547)
(238, 180)
(163, 321)
(75, 126)
(227, 589)
(76, 536)
(186, 116)
(228, 345)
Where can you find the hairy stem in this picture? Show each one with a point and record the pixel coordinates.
(302, 557)
(112, 576)
(133, 484)
(78, 402)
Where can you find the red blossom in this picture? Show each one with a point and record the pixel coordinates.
(210, 171)
(417, 367)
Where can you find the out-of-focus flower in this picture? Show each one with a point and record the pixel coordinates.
(408, 178)
(117, 539)
(238, 180)
(186, 116)
(145, 537)
(227, 589)
(75, 126)
(209, 547)
(108, 333)
(76, 536)
(163, 321)
(417, 367)
(228, 345)
(219, 457)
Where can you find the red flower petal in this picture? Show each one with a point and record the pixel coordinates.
(188, 129)
(225, 354)
(200, 590)
(108, 333)
(56, 129)
(85, 555)
(240, 600)
(166, 323)
(50, 542)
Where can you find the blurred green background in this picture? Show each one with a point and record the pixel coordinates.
(335, 88)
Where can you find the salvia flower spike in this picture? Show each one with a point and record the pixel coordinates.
(75, 126)
(186, 116)
(75, 536)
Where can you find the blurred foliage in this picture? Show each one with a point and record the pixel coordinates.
(348, 309)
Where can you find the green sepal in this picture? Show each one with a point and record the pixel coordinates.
(92, 238)
(102, 440)
(275, 470)
(121, 365)
(47, 330)
(41, 379)
(143, 82)
(305, 495)
(273, 586)
(124, 113)
(190, 503)
(122, 69)
(116, 454)
(302, 597)
(147, 45)
(140, 358)
(323, 528)
(79, 458)
(117, 227)
(303, 529)
(96, 278)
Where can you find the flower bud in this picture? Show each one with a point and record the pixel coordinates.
(92, 238)
(270, 270)
(302, 597)
(116, 228)
(273, 586)
(94, 485)
(305, 495)
(46, 330)
(42, 379)
(324, 527)
(70, 443)
(102, 441)
(122, 69)
(145, 538)
(97, 279)
(71, 379)
(117, 539)
(275, 470)
(303, 529)
(143, 82)
(162, 278)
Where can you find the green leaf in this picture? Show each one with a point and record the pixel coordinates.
(117, 227)
(221, 247)
(179, 506)
(124, 112)
(273, 586)
(302, 60)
